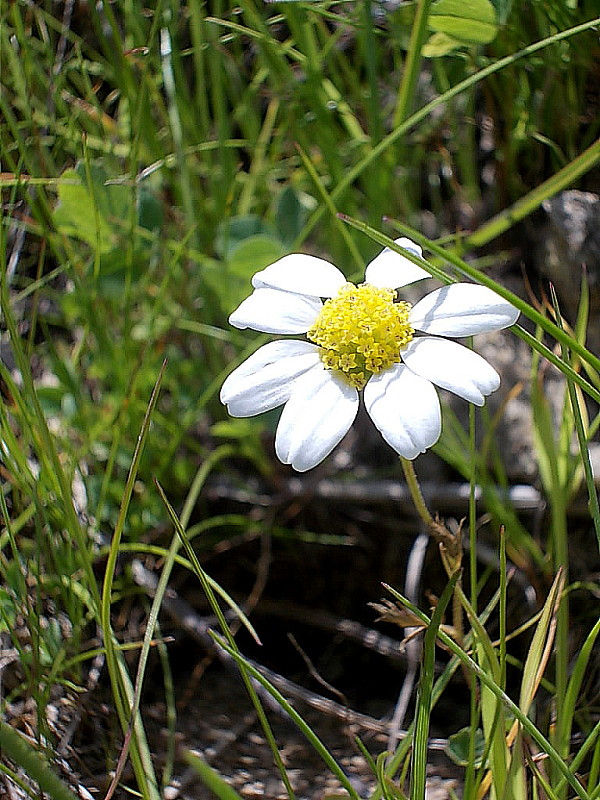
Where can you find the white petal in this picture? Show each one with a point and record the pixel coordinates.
(390, 270)
(273, 311)
(318, 414)
(462, 309)
(406, 410)
(452, 366)
(302, 274)
(266, 379)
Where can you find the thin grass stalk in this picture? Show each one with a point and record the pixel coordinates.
(9, 534)
(244, 670)
(258, 167)
(14, 746)
(528, 726)
(424, 692)
(171, 711)
(187, 193)
(211, 778)
(222, 173)
(376, 153)
(171, 556)
(378, 179)
(412, 63)
(370, 56)
(328, 203)
(582, 440)
(594, 773)
(18, 781)
(502, 615)
(545, 789)
(569, 706)
(473, 705)
(535, 665)
(494, 227)
(416, 494)
(123, 694)
(492, 711)
(198, 37)
(558, 500)
(305, 729)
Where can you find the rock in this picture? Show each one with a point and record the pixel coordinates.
(568, 247)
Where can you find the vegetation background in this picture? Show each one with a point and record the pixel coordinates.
(153, 158)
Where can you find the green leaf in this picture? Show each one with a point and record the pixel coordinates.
(78, 216)
(254, 254)
(231, 282)
(149, 210)
(440, 44)
(458, 747)
(232, 232)
(290, 215)
(211, 778)
(95, 211)
(468, 21)
(16, 747)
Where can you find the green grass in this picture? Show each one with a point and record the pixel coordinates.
(154, 158)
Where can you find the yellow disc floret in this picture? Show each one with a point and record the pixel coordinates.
(361, 331)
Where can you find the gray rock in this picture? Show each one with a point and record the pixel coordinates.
(568, 246)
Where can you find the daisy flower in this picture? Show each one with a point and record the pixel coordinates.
(360, 339)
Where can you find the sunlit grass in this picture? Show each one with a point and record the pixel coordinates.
(152, 160)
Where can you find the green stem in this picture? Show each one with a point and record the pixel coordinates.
(412, 63)
(415, 491)
(14, 746)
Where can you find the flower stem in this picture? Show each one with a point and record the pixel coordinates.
(450, 545)
(415, 492)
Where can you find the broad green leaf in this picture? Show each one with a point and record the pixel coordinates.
(440, 44)
(231, 282)
(79, 217)
(290, 216)
(98, 212)
(469, 21)
(149, 211)
(253, 254)
(458, 747)
(232, 232)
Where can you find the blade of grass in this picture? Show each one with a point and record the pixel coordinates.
(424, 693)
(584, 453)
(211, 778)
(412, 63)
(522, 208)
(352, 174)
(18, 749)
(328, 202)
(528, 726)
(575, 681)
(244, 671)
(316, 743)
(538, 656)
(123, 693)
(176, 127)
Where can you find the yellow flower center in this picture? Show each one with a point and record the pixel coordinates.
(361, 332)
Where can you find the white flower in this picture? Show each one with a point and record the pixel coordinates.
(361, 338)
